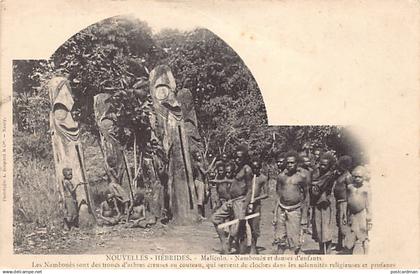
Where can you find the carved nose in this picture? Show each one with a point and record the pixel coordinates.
(69, 121)
(172, 101)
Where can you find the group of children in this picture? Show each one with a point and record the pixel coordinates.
(311, 187)
(117, 206)
(327, 186)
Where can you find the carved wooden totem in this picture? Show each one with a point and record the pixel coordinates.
(67, 148)
(169, 128)
(106, 123)
(185, 98)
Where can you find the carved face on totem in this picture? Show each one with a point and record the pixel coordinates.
(62, 104)
(163, 91)
(104, 118)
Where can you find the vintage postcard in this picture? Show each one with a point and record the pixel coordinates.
(222, 134)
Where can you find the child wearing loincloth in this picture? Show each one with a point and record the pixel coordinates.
(71, 207)
(359, 213)
(200, 176)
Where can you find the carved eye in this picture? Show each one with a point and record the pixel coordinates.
(60, 112)
(162, 92)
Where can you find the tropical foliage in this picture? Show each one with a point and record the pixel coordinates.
(115, 54)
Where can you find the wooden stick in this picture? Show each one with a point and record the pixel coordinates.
(84, 178)
(221, 226)
(103, 154)
(253, 189)
(128, 174)
(135, 152)
(135, 181)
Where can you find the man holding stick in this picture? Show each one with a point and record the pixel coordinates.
(240, 197)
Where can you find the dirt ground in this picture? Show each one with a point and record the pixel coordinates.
(194, 239)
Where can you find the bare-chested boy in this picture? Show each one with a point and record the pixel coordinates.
(139, 217)
(222, 188)
(240, 197)
(259, 191)
(230, 170)
(305, 166)
(214, 188)
(360, 220)
(340, 195)
(291, 191)
(199, 174)
(71, 207)
(320, 197)
(281, 162)
(305, 162)
(109, 213)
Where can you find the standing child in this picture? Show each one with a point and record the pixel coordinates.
(358, 199)
(199, 175)
(70, 200)
(259, 191)
(340, 195)
(320, 198)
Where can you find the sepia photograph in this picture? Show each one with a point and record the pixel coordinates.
(132, 139)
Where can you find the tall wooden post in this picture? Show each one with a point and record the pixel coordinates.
(169, 128)
(66, 144)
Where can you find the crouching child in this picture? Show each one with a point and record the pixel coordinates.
(109, 212)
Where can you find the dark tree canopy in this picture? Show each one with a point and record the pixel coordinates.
(113, 55)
